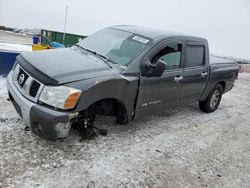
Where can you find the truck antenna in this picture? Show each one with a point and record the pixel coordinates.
(65, 22)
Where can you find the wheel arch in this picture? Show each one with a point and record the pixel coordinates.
(119, 89)
(111, 107)
(209, 88)
(222, 83)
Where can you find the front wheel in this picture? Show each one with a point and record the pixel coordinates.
(213, 100)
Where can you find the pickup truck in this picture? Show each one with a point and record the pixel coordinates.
(122, 71)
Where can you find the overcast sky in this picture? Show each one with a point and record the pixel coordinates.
(225, 23)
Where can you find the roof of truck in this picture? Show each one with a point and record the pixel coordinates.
(149, 32)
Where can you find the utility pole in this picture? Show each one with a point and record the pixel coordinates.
(65, 22)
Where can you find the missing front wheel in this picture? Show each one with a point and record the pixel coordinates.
(84, 123)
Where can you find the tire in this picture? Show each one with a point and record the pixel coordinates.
(213, 99)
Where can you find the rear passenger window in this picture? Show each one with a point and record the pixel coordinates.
(195, 56)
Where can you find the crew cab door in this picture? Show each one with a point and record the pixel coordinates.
(195, 71)
(158, 92)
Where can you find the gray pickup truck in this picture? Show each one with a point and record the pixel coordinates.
(123, 71)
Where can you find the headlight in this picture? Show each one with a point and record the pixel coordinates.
(60, 96)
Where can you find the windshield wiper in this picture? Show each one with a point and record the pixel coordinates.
(81, 48)
(104, 58)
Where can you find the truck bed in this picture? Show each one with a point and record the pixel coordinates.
(220, 60)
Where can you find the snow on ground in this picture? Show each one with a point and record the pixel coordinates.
(3, 89)
(15, 47)
(15, 38)
(183, 147)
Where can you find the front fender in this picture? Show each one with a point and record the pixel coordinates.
(121, 88)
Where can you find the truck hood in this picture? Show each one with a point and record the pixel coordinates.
(59, 66)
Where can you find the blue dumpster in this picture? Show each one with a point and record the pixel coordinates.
(7, 60)
(8, 53)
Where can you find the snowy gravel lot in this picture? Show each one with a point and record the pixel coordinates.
(179, 148)
(17, 38)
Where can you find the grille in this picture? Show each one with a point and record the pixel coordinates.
(26, 84)
(34, 88)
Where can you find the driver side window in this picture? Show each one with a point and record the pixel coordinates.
(170, 55)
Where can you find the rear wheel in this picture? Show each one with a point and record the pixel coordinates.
(213, 100)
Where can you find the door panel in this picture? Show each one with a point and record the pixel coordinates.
(193, 83)
(157, 94)
(195, 72)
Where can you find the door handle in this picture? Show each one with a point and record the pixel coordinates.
(178, 78)
(203, 74)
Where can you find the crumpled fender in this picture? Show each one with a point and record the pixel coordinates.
(114, 86)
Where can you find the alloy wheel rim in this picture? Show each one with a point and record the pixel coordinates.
(214, 99)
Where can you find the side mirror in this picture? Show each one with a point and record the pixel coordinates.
(156, 69)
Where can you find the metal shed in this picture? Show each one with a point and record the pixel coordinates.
(70, 39)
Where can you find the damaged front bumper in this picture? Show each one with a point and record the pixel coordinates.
(43, 121)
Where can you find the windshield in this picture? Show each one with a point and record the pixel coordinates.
(118, 46)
